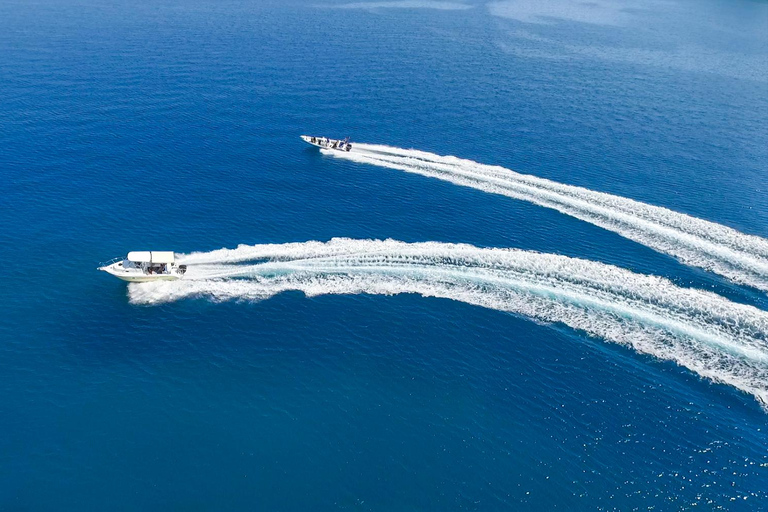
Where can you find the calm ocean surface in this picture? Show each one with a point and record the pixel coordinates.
(173, 125)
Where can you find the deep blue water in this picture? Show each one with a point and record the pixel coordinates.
(174, 125)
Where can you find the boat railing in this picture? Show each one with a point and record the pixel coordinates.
(111, 262)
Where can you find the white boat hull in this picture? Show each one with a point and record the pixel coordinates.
(326, 143)
(134, 274)
(145, 278)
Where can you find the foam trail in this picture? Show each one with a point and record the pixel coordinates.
(739, 257)
(712, 336)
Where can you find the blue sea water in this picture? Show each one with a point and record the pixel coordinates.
(174, 125)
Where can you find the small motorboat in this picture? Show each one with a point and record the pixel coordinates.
(326, 143)
(145, 266)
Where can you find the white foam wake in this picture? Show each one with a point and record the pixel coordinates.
(739, 257)
(716, 338)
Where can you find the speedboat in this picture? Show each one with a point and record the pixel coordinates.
(326, 143)
(145, 266)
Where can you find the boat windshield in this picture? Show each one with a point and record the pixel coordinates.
(131, 264)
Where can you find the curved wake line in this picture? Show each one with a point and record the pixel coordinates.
(718, 339)
(736, 256)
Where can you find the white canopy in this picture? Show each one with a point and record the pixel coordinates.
(140, 256)
(151, 256)
(162, 257)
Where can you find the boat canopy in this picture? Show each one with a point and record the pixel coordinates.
(151, 256)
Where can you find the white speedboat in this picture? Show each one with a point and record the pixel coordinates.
(144, 266)
(326, 143)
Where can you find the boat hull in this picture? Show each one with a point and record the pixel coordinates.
(146, 279)
(326, 143)
(133, 276)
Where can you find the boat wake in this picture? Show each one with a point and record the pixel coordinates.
(739, 257)
(718, 339)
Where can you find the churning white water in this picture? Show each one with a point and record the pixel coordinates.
(739, 257)
(712, 336)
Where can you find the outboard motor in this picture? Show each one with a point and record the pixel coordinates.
(182, 269)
